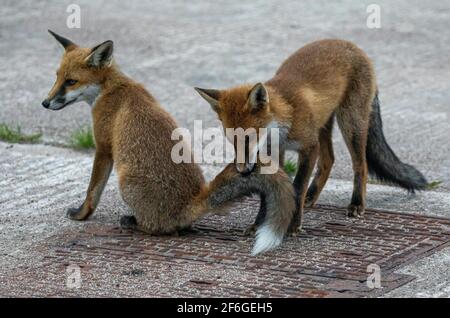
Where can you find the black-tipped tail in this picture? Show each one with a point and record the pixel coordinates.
(382, 161)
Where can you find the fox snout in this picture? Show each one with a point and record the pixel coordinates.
(46, 103)
(245, 169)
(56, 98)
(56, 103)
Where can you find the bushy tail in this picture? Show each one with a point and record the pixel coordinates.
(279, 199)
(382, 161)
(275, 189)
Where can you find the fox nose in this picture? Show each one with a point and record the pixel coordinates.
(245, 169)
(46, 103)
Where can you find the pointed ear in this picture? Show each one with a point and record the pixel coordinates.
(66, 43)
(211, 96)
(101, 55)
(258, 98)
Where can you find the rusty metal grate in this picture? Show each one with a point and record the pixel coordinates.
(329, 259)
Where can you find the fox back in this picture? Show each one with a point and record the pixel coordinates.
(133, 130)
(322, 81)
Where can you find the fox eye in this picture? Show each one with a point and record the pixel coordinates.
(70, 82)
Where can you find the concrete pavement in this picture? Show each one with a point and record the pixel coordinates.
(169, 47)
(38, 242)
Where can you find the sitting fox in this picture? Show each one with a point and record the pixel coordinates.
(133, 132)
(322, 81)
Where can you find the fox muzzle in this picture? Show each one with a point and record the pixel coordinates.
(245, 168)
(46, 103)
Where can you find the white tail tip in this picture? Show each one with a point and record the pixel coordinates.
(266, 240)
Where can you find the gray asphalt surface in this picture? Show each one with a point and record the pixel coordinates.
(170, 47)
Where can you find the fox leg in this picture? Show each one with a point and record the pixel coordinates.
(101, 170)
(308, 158)
(326, 161)
(354, 127)
(259, 217)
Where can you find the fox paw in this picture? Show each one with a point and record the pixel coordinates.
(295, 232)
(78, 214)
(309, 202)
(187, 231)
(128, 222)
(355, 211)
(295, 229)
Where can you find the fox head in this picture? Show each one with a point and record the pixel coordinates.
(247, 107)
(80, 74)
(243, 106)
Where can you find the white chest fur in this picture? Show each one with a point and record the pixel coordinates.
(91, 93)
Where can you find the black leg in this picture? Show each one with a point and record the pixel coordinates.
(259, 218)
(306, 166)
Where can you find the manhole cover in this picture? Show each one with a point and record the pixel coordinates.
(330, 258)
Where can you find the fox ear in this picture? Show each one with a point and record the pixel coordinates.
(211, 96)
(101, 55)
(66, 43)
(258, 98)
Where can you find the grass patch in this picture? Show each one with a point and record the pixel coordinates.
(290, 167)
(15, 135)
(82, 138)
(375, 181)
(434, 185)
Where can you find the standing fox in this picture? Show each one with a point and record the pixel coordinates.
(321, 81)
(133, 131)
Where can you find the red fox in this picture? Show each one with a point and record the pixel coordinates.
(133, 132)
(322, 81)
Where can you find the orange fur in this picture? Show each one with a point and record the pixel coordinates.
(322, 79)
(133, 133)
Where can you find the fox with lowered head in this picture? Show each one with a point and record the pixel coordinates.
(323, 82)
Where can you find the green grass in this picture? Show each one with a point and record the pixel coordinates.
(290, 167)
(82, 138)
(15, 135)
(374, 181)
(433, 185)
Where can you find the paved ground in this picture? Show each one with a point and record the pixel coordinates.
(171, 47)
(330, 259)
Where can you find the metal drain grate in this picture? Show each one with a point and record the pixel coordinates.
(329, 258)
